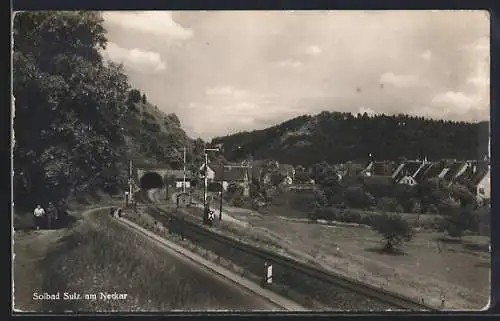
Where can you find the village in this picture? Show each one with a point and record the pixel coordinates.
(474, 175)
(271, 204)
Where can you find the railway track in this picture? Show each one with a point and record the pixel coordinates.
(332, 290)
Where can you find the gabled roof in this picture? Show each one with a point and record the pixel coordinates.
(419, 176)
(482, 169)
(412, 167)
(453, 169)
(354, 168)
(433, 171)
(474, 173)
(397, 171)
(179, 173)
(256, 171)
(382, 168)
(408, 169)
(230, 174)
(465, 177)
(202, 167)
(285, 169)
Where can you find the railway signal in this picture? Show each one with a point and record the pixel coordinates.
(205, 192)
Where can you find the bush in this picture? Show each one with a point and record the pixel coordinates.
(234, 189)
(394, 229)
(432, 209)
(459, 221)
(367, 219)
(448, 207)
(243, 202)
(133, 108)
(238, 201)
(326, 213)
(350, 216)
(415, 206)
(388, 204)
(484, 220)
(357, 197)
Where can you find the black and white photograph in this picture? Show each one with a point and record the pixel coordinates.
(246, 161)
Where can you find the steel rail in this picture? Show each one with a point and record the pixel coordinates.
(369, 291)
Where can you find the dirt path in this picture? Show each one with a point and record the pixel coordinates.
(30, 249)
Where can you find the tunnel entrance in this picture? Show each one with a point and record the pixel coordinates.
(151, 180)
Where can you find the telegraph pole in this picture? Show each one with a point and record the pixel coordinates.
(221, 190)
(129, 199)
(184, 178)
(205, 192)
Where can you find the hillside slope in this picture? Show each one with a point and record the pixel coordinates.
(339, 137)
(155, 137)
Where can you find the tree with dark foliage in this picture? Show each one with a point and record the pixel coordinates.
(69, 107)
(394, 229)
(461, 220)
(339, 137)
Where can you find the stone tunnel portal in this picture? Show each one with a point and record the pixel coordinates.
(151, 180)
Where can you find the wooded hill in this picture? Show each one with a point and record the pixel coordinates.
(77, 120)
(339, 137)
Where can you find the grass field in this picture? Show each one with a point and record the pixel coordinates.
(431, 267)
(92, 256)
(310, 293)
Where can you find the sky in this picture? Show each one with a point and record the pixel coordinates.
(223, 72)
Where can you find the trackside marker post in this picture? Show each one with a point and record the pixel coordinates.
(268, 272)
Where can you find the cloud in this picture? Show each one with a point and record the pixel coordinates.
(218, 118)
(224, 91)
(313, 50)
(479, 80)
(457, 103)
(249, 68)
(368, 111)
(159, 23)
(289, 63)
(145, 61)
(426, 55)
(481, 75)
(398, 80)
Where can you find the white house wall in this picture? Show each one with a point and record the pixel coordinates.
(179, 184)
(485, 183)
(210, 174)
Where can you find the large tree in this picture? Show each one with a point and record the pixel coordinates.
(69, 106)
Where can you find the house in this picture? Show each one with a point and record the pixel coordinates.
(452, 171)
(210, 173)
(477, 178)
(178, 177)
(405, 172)
(379, 168)
(432, 171)
(267, 168)
(422, 172)
(256, 170)
(288, 172)
(378, 173)
(237, 175)
(353, 169)
(408, 180)
(378, 180)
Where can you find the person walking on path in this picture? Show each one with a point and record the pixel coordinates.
(38, 213)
